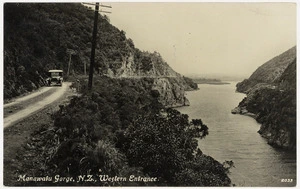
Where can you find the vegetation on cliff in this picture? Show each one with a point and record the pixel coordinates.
(43, 36)
(125, 131)
(271, 96)
(192, 85)
(276, 111)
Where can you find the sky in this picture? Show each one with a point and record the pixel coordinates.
(209, 38)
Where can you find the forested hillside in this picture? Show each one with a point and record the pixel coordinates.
(43, 36)
(269, 72)
(271, 96)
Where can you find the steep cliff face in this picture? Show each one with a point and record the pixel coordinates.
(170, 85)
(132, 67)
(171, 92)
(271, 99)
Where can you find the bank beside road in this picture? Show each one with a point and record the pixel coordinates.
(30, 113)
(27, 105)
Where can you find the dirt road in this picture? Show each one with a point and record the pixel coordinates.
(22, 118)
(27, 105)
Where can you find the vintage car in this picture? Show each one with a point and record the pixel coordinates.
(55, 77)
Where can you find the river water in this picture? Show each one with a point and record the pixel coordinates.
(235, 137)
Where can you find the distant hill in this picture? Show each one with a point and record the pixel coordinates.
(223, 77)
(43, 36)
(271, 98)
(208, 81)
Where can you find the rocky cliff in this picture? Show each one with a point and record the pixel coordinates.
(171, 92)
(43, 36)
(271, 99)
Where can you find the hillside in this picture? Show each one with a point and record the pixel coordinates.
(269, 72)
(271, 99)
(288, 78)
(43, 36)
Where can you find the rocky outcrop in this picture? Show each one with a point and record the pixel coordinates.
(242, 111)
(171, 92)
(279, 138)
(170, 85)
(131, 67)
(271, 99)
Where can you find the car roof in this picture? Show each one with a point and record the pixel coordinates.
(55, 71)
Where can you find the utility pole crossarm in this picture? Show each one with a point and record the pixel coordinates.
(107, 6)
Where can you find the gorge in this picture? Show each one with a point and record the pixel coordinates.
(141, 118)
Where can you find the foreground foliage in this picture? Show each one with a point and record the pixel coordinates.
(124, 131)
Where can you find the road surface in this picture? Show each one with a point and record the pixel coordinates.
(28, 105)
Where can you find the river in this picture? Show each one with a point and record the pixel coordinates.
(235, 137)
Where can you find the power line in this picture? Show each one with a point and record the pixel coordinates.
(104, 11)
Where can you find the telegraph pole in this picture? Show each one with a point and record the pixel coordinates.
(91, 71)
(93, 47)
(70, 52)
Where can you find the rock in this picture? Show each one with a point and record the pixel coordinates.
(171, 92)
(251, 115)
(236, 110)
(186, 102)
(244, 111)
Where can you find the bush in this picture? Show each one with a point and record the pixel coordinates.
(124, 130)
(162, 143)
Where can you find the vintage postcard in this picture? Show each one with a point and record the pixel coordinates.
(149, 94)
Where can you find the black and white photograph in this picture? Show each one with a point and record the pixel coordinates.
(149, 94)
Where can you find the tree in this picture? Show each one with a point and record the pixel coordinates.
(163, 143)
